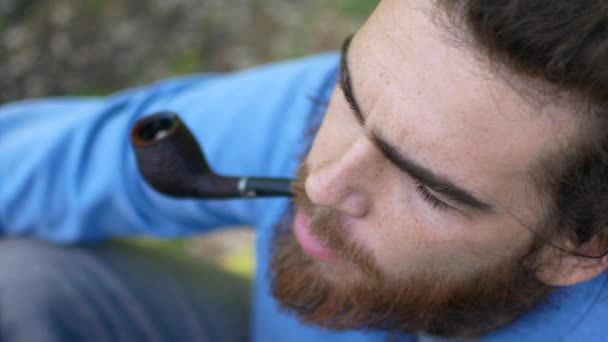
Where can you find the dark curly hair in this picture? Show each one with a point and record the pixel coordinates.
(562, 46)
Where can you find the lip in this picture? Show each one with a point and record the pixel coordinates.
(310, 243)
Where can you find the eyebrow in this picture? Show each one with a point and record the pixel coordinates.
(425, 176)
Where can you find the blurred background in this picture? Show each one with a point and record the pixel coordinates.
(95, 47)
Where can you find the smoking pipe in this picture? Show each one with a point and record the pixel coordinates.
(172, 162)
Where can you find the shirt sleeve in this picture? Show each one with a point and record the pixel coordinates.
(69, 174)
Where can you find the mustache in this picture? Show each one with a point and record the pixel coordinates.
(327, 225)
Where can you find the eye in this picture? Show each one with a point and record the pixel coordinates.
(429, 198)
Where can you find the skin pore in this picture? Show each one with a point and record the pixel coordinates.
(418, 181)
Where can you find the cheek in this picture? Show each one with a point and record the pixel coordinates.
(404, 231)
(406, 234)
(500, 239)
(416, 244)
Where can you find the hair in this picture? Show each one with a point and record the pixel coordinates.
(561, 46)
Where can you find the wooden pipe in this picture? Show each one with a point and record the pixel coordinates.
(172, 162)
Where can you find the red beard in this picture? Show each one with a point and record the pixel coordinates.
(429, 302)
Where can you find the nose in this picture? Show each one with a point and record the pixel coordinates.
(345, 183)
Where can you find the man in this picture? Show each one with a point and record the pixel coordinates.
(456, 188)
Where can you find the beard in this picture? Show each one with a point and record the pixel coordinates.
(364, 297)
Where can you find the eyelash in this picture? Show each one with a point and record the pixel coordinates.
(429, 198)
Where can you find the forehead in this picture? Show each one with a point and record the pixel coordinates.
(442, 106)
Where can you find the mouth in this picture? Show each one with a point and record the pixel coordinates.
(311, 245)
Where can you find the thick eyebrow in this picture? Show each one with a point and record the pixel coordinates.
(425, 176)
(345, 81)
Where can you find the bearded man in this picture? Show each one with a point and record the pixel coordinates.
(456, 188)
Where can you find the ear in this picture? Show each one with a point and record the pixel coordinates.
(566, 269)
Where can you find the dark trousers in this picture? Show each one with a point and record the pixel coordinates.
(116, 292)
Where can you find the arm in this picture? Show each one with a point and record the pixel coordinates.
(69, 172)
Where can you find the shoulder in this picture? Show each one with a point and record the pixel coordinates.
(575, 313)
(255, 120)
(589, 311)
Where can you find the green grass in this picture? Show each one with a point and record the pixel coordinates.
(240, 262)
(3, 24)
(98, 6)
(187, 63)
(92, 92)
(355, 8)
(170, 246)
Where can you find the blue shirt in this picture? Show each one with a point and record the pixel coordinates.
(68, 174)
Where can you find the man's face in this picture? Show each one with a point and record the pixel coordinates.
(418, 182)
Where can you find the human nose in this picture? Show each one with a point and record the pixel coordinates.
(344, 183)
